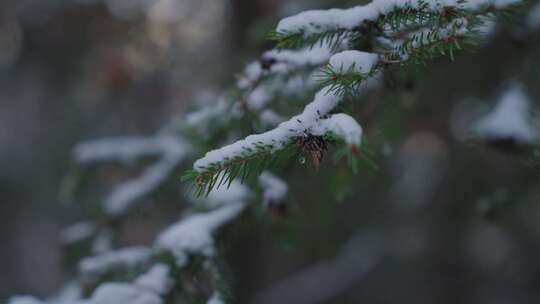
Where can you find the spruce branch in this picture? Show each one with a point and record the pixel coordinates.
(261, 157)
(343, 83)
(332, 39)
(380, 19)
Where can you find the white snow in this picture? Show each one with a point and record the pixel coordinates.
(223, 195)
(193, 235)
(32, 300)
(102, 242)
(343, 126)
(216, 299)
(353, 61)
(71, 293)
(206, 115)
(24, 300)
(533, 19)
(252, 72)
(487, 27)
(318, 21)
(128, 193)
(77, 232)
(146, 289)
(156, 280)
(269, 118)
(171, 150)
(284, 62)
(316, 55)
(510, 119)
(125, 257)
(115, 293)
(274, 188)
(125, 149)
(258, 98)
(323, 103)
(299, 84)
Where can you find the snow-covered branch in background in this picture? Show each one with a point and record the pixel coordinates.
(274, 189)
(193, 235)
(148, 288)
(231, 194)
(510, 119)
(124, 149)
(77, 232)
(169, 150)
(123, 258)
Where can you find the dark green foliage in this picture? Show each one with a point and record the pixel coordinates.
(334, 39)
(343, 83)
(261, 157)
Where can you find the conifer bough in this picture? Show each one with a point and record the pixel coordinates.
(347, 51)
(363, 41)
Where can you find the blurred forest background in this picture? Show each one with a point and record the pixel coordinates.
(459, 221)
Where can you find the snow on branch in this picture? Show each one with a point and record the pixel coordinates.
(77, 232)
(148, 288)
(206, 118)
(126, 149)
(353, 61)
(24, 300)
(157, 279)
(279, 62)
(274, 188)
(119, 292)
(170, 150)
(313, 121)
(193, 235)
(321, 21)
(315, 55)
(235, 192)
(122, 258)
(128, 193)
(400, 32)
(280, 72)
(265, 143)
(349, 71)
(343, 126)
(272, 140)
(216, 299)
(510, 119)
